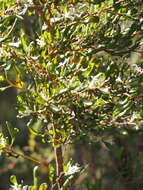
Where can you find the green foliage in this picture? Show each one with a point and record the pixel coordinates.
(70, 171)
(3, 142)
(12, 131)
(72, 65)
(16, 186)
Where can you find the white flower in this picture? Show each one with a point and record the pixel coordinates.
(41, 42)
(15, 44)
(73, 169)
(3, 142)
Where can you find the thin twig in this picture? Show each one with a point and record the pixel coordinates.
(15, 154)
(58, 157)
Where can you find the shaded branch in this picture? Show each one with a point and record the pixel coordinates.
(11, 152)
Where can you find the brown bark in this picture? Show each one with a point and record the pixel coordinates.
(58, 159)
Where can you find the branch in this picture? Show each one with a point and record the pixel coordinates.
(59, 158)
(11, 152)
(55, 186)
(15, 86)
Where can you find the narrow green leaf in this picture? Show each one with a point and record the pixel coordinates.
(4, 88)
(34, 132)
(43, 186)
(13, 179)
(35, 177)
(11, 131)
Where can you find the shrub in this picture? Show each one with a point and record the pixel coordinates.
(71, 64)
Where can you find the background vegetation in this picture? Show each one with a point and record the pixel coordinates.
(71, 87)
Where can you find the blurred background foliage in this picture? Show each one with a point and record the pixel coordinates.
(82, 61)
